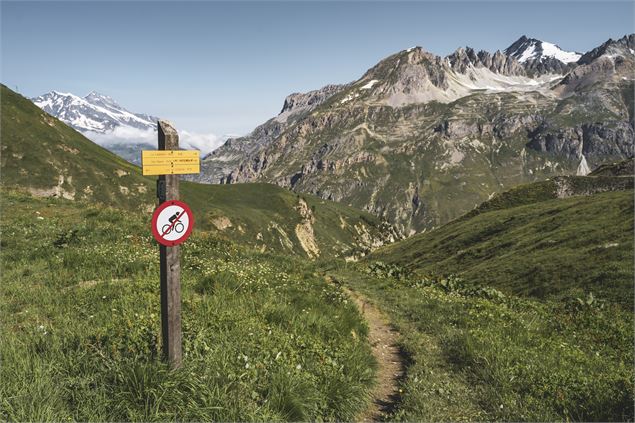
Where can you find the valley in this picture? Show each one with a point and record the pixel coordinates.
(265, 337)
(443, 239)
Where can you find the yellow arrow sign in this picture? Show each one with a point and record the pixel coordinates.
(170, 162)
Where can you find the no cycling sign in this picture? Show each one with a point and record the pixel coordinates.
(172, 223)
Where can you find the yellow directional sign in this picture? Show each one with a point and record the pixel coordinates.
(170, 162)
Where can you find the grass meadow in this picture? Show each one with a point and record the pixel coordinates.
(264, 337)
(476, 354)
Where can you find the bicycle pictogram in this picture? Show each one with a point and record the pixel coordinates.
(178, 227)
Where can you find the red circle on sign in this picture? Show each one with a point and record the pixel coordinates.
(160, 236)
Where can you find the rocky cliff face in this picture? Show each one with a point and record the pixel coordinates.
(420, 139)
(219, 164)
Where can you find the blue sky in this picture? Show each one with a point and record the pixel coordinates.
(222, 68)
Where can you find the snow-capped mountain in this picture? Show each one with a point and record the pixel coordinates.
(390, 141)
(102, 120)
(529, 49)
(95, 112)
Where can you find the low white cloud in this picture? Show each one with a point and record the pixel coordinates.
(125, 135)
(206, 143)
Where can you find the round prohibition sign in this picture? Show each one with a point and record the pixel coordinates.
(172, 223)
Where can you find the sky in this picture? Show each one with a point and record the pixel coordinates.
(224, 68)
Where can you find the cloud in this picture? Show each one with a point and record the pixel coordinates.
(125, 135)
(206, 143)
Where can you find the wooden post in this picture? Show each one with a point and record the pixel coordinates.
(168, 189)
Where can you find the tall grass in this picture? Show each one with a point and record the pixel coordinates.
(264, 337)
(476, 354)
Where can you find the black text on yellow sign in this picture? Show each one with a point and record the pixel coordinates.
(170, 162)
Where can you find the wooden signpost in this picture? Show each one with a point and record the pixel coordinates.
(168, 162)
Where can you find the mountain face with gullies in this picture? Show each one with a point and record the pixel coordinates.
(94, 112)
(420, 139)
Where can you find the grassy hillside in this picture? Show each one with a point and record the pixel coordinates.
(476, 354)
(623, 168)
(537, 326)
(525, 242)
(271, 218)
(558, 187)
(265, 339)
(45, 157)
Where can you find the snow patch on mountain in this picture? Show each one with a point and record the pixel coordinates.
(95, 112)
(552, 50)
(529, 49)
(475, 79)
(583, 167)
(369, 85)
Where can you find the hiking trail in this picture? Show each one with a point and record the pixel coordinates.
(383, 339)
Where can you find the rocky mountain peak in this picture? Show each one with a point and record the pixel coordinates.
(531, 49)
(296, 101)
(465, 58)
(390, 141)
(621, 47)
(462, 59)
(541, 57)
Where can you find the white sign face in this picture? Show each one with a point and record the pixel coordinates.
(173, 223)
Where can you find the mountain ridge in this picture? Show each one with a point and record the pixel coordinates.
(94, 112)
(420, 139)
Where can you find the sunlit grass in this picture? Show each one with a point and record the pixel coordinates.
(264, 337)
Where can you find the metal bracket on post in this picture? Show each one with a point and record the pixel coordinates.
(161, 190)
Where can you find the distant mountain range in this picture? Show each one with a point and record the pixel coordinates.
(95, 112)
(106, 122)
(420, 139)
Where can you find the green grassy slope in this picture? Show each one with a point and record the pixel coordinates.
(45, 157)
(623, 168)
(268, 217)
(558, 187)
(479, 355)
(265, 338)
(560, 247)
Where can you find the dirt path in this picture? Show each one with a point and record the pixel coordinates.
(390, 361)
